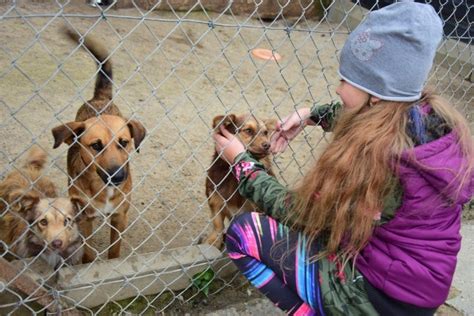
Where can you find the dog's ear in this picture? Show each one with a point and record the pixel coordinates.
(23, 202)
(218, 120)
(271, 125)
(82, 209)
(229, 121)
(67, 132)
(138, 132)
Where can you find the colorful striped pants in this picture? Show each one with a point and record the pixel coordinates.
(275, 260)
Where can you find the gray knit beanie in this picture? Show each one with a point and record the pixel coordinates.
(390, 54)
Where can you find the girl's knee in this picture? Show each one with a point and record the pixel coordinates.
(236, 230)
(239, 221)
(241, 218)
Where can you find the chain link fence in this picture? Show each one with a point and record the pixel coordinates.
(176, 65)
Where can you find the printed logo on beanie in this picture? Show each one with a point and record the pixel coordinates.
(363, 47)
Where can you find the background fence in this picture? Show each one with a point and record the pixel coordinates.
(176, 66)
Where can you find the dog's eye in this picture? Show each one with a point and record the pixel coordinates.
(123, 143)
(97, 146)
(43, 222)
(249, 131)
(265, 133)
(67, 221)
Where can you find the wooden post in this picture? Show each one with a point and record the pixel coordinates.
(14, 278)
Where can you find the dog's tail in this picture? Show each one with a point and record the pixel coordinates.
(36, 158)
(103, 83)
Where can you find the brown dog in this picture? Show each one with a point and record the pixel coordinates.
(33, 220)
(100, 142)
(221, 186)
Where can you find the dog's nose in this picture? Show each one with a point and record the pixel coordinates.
(117, 175)
(57, 243)
(266, 146)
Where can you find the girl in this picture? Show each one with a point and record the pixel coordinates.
(373, 228)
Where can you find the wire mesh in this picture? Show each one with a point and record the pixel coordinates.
(174, 71)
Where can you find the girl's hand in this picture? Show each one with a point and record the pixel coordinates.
(288, 128)
(227, 144)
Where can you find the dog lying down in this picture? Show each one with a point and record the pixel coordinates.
(34, 221)
(221, 186)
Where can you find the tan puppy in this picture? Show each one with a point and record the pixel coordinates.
(33, 220)
(100, 140)
(221, 186)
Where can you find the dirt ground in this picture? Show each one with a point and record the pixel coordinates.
(174, 77)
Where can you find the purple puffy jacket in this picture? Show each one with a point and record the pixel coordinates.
(412, 258)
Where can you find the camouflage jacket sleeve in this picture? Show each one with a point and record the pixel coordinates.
(274, 199)
(255, 184)
(325, 115)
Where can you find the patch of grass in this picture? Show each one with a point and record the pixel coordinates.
(203, 284)
(203, 280)
(148, 305)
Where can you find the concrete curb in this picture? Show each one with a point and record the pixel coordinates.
(90, 285)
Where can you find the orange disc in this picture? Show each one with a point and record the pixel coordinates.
(265, 54)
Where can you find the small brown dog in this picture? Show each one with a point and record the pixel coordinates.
(33, 220)
(100, 140)
(221, 186)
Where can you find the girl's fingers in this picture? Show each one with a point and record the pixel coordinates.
(281, 122)
(220, 142)
(279, 145)
(278, 141)
(218, 138)
(275, 136)
(278, 125)
(283, 144)
(289, 124)
(274, 147)
(225, 132)
(284, 126)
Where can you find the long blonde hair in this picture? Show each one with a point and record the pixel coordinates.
(339, 197)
